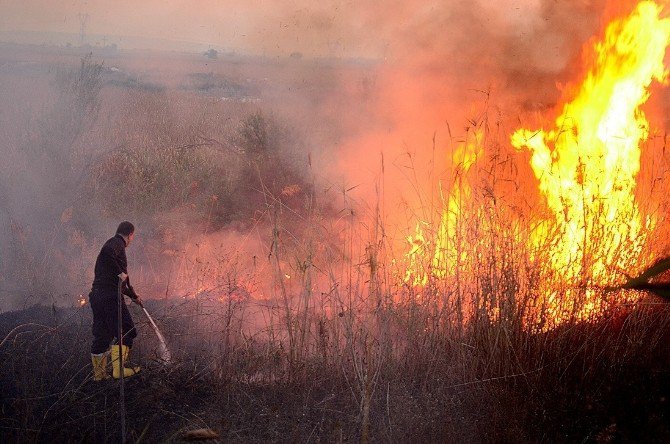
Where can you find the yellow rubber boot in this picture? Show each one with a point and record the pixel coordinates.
(99, 366)
(116, 362)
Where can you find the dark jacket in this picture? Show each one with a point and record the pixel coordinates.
(110, 263)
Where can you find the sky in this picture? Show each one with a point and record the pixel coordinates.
(324, 28)
(331, 28)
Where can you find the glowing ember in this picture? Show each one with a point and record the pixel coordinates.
(588, 164)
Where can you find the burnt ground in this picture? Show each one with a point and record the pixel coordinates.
(604, 382)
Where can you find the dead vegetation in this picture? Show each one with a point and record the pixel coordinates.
(401, 381)
(322, 338)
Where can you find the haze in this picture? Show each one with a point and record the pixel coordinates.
(332, 28)
(329, 118)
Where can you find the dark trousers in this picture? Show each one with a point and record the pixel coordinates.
(105, 306)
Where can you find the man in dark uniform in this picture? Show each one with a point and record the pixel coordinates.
(111, 266)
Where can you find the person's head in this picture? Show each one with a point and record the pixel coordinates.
(127, 230)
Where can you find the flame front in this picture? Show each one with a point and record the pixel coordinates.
(591, 229)
(445, 253)
(587, 165)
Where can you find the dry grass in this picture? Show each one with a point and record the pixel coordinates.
(339, 347)
(578, 382)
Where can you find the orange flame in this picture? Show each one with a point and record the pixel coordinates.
(587, 165)
(444, 252)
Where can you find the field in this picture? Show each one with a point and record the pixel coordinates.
(299, 302)
(596, 382)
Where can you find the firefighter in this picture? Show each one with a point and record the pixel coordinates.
(110, 266)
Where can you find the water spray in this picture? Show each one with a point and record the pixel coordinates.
(163, 350)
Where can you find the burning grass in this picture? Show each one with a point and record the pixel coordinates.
(371, 358)
(510, 315)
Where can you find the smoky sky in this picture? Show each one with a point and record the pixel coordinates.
(332, 28)
(519, 48)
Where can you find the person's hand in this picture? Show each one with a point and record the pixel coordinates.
(123, 276)
(138, 301)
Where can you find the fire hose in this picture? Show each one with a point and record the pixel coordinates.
(162, 349)
(119, 326)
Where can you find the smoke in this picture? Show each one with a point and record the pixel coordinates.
(450, 67)
(333, 28)
(195, 166)
(43, 167)
(168, 143)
